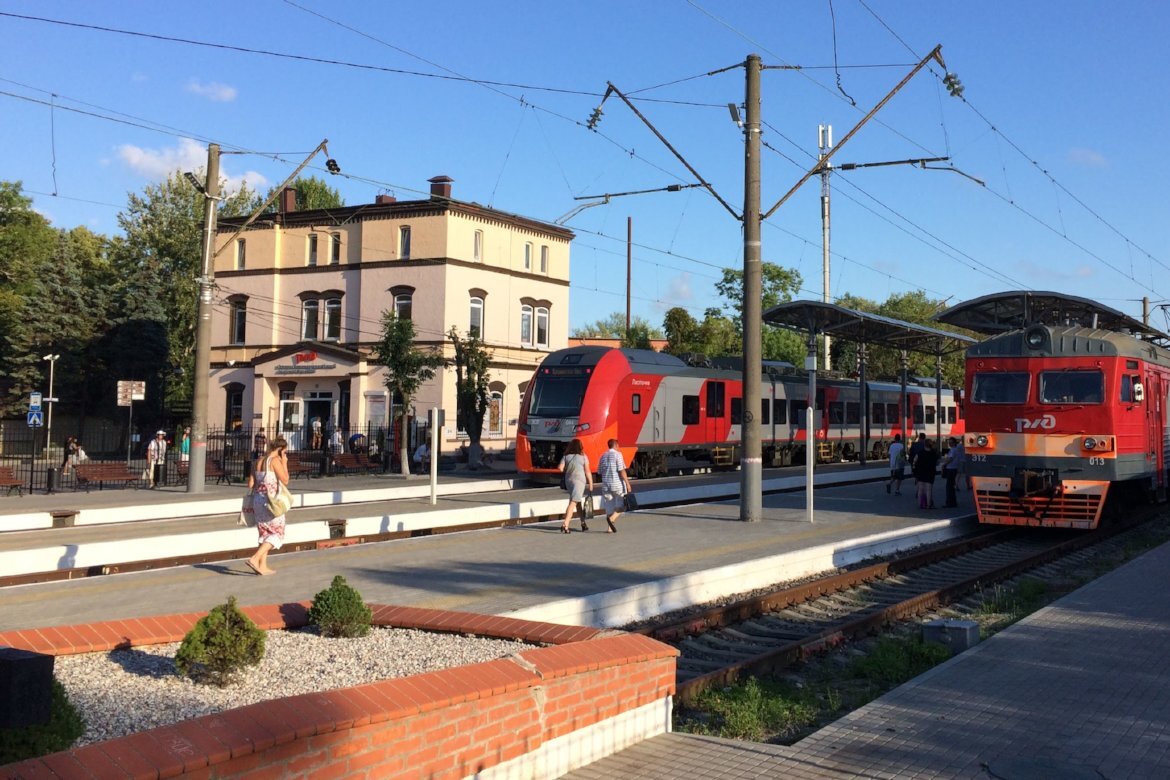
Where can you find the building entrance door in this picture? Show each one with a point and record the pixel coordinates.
(319, 421)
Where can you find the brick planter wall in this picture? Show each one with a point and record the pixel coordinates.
(537, 714)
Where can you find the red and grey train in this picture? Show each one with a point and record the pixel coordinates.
(1066, 404)
(659, 407)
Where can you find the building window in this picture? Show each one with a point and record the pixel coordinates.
(240, 253)
(334, 249)
(528, 256)
(312, 250)
(526, 325)
(404, 242)
(403, 304)
(234, 406)
(333, 319)
(544, 259)
(310, 315)
(477, 247)
(475, 326)
(542, 327)
(495, 421)
(238, 321)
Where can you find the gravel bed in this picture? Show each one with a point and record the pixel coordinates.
(125, 691)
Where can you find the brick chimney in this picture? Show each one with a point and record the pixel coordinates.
(441, 186)
(288, 200)
(384, 199)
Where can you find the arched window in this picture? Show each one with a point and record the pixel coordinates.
(310, 318)
(332, 319)
(403, 305)
(239, 319)
(475, 323)
(542, 327)
(495, 420)
(526, 325)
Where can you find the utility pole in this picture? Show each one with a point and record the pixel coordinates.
(629, 266)
(196, 469)
(825, 142)
(751, 460)
(1145, 321)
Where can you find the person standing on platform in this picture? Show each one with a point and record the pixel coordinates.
(950, 470)
(614, 484)
(422, 457)
(317, 441)
(925, 466)
(156, 459)
(897, 465)
(916, 450)
(578, 481)
(268, 474)
(185, 446)
(72, 454)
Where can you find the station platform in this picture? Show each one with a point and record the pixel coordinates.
(1080, 689)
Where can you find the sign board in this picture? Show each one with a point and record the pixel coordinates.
(130, 391)
(36, 419)
(34, 402)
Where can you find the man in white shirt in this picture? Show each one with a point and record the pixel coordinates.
(614, 484)
(422, 458)
(156, 458)
(897, 465)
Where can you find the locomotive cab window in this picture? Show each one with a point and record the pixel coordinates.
(1000, 387)
(636, 403)
(558, 392)
(736, 411)
(1131, 389)
(690, 410)
(1072, 387)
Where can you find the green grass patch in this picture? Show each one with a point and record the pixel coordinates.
(64, 727)
(757, 709)
(892, 661)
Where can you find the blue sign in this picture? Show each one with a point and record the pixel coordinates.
(34, 402)
(36, 419)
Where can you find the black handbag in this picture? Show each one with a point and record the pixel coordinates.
(564, 481)
(631, 502)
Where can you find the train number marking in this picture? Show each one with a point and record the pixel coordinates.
(1096, 461)
(1046, 423)
(977, 458)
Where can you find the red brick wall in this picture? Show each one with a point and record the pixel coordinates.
(446, 724)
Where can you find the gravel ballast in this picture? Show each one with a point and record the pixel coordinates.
(121, 692)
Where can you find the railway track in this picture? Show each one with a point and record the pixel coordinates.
(767, 633)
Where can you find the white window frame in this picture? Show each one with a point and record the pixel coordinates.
(334, 249)
(526, 324)
(332, 320)
(310, 311)
(544, 258)
(399, 300)
(475, 303)
(528, 256)
(541, 313)
(477, 247)
(404, 242)
(311, 251)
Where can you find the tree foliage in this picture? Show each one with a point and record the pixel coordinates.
(312, 193)
(614, 327)
(407, 368)
(472, 399)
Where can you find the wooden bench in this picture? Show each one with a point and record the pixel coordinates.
(302, 466)
(8, 479)
(211, 468)
(89, 474)
(353, 463)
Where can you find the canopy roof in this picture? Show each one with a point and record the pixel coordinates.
(864, 328)
(1016, 309)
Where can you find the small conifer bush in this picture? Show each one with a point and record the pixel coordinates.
(220, 646)
(338, 611)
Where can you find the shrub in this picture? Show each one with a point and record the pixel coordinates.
(338, 611)
(62, 730)
(220, 645)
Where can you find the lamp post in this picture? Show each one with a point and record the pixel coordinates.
(51, 399)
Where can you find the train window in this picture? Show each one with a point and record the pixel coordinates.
(736, 411)
(918, 418)
(690, 410)
(853, 413)
(1072, 387)
(930, 415)
(951, 415)
(636, 403)
(765, 411)
(878, 417)
(780, 411)
(559, 395)
(1131, 365)
(797, 407)
(892, 415)
(1000, 387)
(715, 393)
(836, 413)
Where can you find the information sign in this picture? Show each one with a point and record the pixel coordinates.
(130, 391)
(34, 402)
(36, 419)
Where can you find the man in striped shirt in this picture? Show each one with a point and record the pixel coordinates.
(614, 484)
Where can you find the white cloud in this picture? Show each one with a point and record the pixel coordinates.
(158, 164)
(212, 90)
(1087, 157)
(678, 292)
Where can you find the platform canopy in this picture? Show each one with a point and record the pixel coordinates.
(1016, 309)
(864, 328)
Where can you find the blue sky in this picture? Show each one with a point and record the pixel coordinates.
(1064, 103)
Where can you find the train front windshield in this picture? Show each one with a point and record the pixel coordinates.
(1008, 387)
(558, 395)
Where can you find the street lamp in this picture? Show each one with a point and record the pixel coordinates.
(50, 400)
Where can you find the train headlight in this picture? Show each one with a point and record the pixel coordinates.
(1035, 338)
(1090, 443)
(581, 427)
(981, 441)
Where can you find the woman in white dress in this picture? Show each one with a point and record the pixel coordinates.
(268, 474)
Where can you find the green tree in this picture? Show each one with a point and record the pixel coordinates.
(779, 284)
(472, 362)
(407, 368)
(312, 193)
(614, 327)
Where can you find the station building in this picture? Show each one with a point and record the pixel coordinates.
(300, 297)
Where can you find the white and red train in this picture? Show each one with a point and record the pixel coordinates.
(659, 407)
(1065, 404)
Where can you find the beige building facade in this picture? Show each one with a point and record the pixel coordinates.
(300, 299)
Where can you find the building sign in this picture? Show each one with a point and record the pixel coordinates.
(305, 363)
(129, 390)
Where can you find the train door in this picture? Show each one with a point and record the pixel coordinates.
(715, 419)
(1155, 398)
